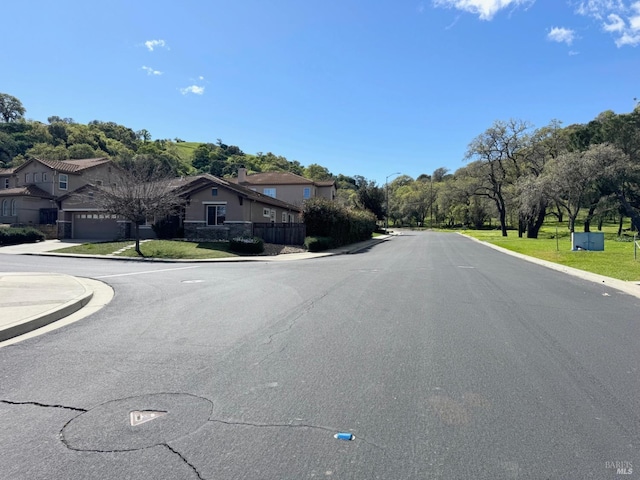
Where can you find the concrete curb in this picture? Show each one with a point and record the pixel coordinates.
(39, 320)
(630, 288)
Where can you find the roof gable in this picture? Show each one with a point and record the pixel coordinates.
(199, 182)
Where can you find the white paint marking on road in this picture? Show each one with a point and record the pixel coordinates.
(192, 281)
(465, 266)
(148, 271)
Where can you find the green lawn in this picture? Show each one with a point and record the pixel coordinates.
(156, 249)
(616, 261)
(105, 248)
(183, 250)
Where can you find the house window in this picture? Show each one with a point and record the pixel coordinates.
(216, 214)
(13, 208)
(270, 192)
(5, 208)
(284, 217)
(63, 181)
(214, 192)
(27, 178)
(36, 177)
(306, 192)
(273, 216)
(44, 176)
(6, 183)
(266, 212)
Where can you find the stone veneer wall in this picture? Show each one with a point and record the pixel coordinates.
(200, 231)
(64, 229)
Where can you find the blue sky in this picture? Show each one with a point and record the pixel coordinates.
(362, 87)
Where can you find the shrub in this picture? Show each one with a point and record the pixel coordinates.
(324, 218)
(318, 244)
(167, 228)
(14, 236)
(246, 245)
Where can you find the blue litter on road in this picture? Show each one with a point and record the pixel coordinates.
(344, 436)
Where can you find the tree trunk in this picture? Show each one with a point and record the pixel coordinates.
(502, 214)
(629, 210)
(534, 225)
(572, 223)
(522, 225)
(620, 224)
(587, 221)
(137, 230)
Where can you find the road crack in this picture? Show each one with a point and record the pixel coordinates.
(43, 405)
(189, 464)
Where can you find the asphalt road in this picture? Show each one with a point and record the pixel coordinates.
(445, 359)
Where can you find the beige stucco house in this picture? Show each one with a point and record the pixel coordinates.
(212, 209)
(286, 186)
(216, 208)
(28, 192)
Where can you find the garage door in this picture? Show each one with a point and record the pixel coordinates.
(95, 226)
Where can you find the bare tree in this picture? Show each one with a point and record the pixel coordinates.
(139, 190)
(581, 179)
(498, 154)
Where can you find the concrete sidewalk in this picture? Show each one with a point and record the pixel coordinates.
(32, 302)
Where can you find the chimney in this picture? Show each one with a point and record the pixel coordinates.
(242, 175)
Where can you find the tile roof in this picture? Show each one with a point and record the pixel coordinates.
(69, 166)
(194, 183)
(26, 191)
(6, 171)
(277, 178)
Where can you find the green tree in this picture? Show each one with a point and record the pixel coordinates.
(11, 109)
(317, 172)
(81, 150)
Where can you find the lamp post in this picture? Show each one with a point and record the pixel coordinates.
(386, 216)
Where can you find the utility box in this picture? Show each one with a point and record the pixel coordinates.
(593, 241)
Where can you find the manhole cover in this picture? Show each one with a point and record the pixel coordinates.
(136, 422)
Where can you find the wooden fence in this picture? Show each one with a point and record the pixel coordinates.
(281, 233)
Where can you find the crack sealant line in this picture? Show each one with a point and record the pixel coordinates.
(307, 309)
(195, 470)
(44, 405)
(291, 425)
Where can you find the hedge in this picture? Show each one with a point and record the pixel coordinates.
(15, 236)
(324, 218)
(246, 245)
(318, 244)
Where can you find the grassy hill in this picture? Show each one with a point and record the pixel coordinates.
(185, 150)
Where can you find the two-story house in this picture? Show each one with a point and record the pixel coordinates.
(28, 192)
(286, 186)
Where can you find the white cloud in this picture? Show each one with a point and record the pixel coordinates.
(628, 39)
(619, 17)
(616, 23)
(195, 89)
(200, 78)
(561, 35)
(485, 9)
(573, 53)
(152, 44)
(151, 71)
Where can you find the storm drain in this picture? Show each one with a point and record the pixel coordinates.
(135, 423)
